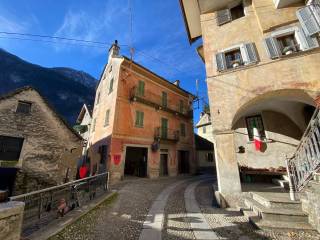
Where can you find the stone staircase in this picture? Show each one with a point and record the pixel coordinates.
(284, 182)
(269, 210)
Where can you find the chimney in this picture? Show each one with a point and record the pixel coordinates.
(114, 50)
(177, 83)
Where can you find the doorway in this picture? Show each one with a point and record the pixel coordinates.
(163, 165)
(183, 162)
(136, 161)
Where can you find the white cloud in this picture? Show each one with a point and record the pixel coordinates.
(10, 25)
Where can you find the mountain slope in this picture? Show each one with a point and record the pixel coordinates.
(66, 89)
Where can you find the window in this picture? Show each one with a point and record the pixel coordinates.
(164, 99)
(111, 86)
(23, 107)
(93, 125)
(182, 129)
(288, 41)
(139, 119)
(227, 15)
(233, 58)
(140, 90)
(204, 129)
(164, 128)
(10, 148)
(110, 69)
(236, 56)
(237, 12)
(106, 120)
(255, 121)
(209, 157)
(98, 98)
(181, 106)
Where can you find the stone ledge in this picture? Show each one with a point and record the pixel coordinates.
(11, 208)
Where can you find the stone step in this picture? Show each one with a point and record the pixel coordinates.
(312, 186)
(281, 182)
(276, 214)
(276, 203)
(264, 224)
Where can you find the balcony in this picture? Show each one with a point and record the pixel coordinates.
(155, 100)
(166, 134)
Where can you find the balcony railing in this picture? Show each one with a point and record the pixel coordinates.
(306, 159)
(166, 134)
(155, 100)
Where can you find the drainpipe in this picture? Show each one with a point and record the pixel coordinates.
(292, 192)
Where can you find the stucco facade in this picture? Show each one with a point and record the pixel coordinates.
(121, 106)
(280, 90)
(49, 147)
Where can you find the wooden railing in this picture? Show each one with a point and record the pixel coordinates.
(41, 207)
(306, 159)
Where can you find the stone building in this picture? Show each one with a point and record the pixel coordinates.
(83, 124)
(262, 61)
(204, 127)
(204, 154)
(142, 124)
(37, 147)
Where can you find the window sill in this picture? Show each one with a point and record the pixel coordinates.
(4, 163)
(138, 126)
(264, 141)
(238, 68)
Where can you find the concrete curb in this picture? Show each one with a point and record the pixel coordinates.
(59, 225)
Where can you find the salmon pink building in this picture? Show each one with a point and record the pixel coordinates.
(142, 124)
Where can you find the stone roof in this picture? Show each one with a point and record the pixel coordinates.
(57, 115)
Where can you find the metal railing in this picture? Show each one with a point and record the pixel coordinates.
(43, 206)
(155, 100)
(166, 134)
(306, 159)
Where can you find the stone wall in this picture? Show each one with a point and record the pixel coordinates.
(49, 147)
(11, 215)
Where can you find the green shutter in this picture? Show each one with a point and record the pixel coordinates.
(183, 129)
(181, 107)
(106, 122)
(164, 99)
(141, 88)
(164, 127)
(139, 119)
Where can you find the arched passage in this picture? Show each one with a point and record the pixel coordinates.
(281, 118)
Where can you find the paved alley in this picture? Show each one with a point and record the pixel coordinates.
(169, 209)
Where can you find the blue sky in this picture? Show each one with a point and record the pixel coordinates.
(158, 33)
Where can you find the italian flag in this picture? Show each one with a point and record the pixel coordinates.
(256, 138)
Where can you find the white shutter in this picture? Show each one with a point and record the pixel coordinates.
(316, 11)
(272, 47)
(221, 61)
(308, 20)
(223, 16)
(307, 41)
(250, 53)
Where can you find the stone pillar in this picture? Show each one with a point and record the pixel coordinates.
(228, 177)
(11, 215)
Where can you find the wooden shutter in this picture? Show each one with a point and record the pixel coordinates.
(221, 62)
(141, 118)
(141, 88)
(307, 41)
(223, 16)
(307, 19)
(111, 85)
(250, 52)
(272, 47)
(106, 122)
(164, 99)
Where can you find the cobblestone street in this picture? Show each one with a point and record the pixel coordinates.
(131, 214)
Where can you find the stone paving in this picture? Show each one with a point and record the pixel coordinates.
(136, 207)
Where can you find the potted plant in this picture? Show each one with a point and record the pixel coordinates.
(236, 63)
(288, 50)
